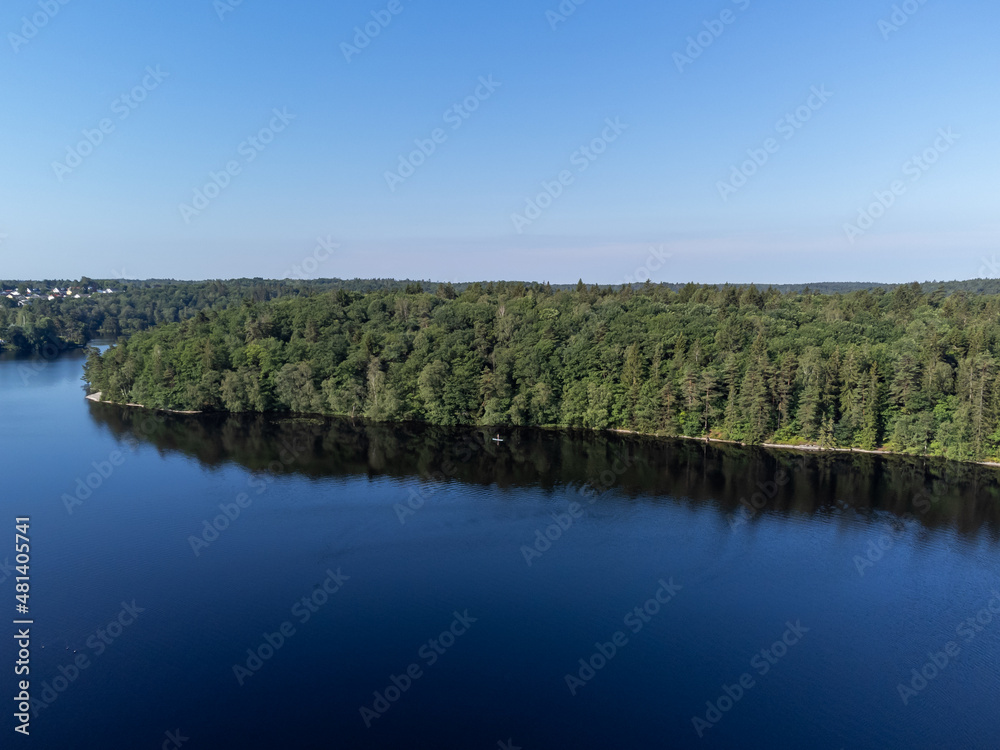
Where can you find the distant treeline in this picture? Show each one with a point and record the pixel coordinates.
(54, 325)
(49, 326)
(905, 369)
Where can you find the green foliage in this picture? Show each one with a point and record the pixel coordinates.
(47, 326)
(908, 369)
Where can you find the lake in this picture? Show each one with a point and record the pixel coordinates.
(258, 582)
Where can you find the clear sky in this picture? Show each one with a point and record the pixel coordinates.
(743, 137)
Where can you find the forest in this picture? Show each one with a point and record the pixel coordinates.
(47, 327)
(50, 326)
(909, 368)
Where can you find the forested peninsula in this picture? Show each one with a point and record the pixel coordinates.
(903, 369)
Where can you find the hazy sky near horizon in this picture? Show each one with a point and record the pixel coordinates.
(723, 141)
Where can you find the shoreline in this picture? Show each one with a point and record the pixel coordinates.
(811, 448)
(96, 398)
(806, 448)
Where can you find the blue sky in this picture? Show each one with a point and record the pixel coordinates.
(648, 197)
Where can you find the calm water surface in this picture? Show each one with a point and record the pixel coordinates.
(861, 568)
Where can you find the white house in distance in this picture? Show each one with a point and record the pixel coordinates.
(56, 293)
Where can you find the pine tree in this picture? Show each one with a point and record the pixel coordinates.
(852, 391)
(649, 409)
(731, 378)
(785, 388)
(709, 387)
(754, 397)
(810, 411)
(668, 398)
(631, 380)
(906, 378)
(871, 411)
(980, 373)
(690, 388)
(826, 432)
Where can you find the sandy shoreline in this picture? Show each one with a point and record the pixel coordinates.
(812, 448)
(96, 398)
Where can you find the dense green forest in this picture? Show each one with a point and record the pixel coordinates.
(905, 369)
(48, 326)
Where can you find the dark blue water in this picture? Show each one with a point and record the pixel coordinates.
(791, 620)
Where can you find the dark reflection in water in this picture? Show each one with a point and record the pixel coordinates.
(744, 482)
